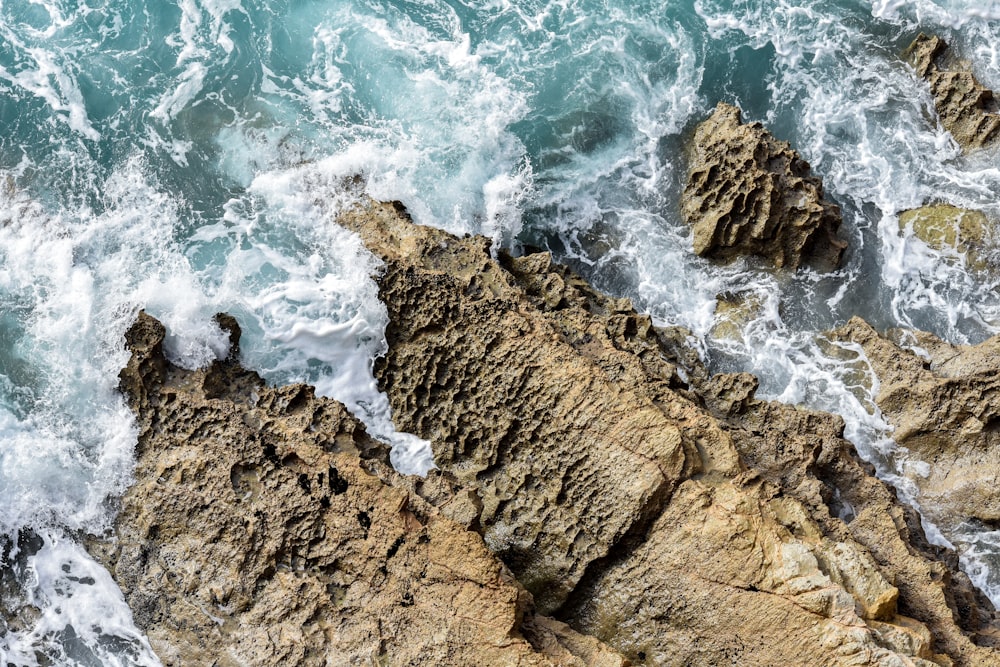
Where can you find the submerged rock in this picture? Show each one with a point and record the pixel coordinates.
(734, 311)
(944, 227)
(670, 514)
(945, 408)
(751, 194)
(266, 527)
(966, 108)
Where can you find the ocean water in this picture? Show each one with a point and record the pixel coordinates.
(187, 157)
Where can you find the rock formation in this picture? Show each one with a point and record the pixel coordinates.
(949, 228)
(655, 514)
(966, 108)
(946, 410)
(267, 528)
(670, 514)
(750, 194)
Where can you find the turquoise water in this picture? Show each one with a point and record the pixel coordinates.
(187, 157)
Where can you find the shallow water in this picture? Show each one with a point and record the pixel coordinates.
(186, 157)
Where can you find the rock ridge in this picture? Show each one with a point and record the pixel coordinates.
(965, 107)
(266, 527)
(602, 500)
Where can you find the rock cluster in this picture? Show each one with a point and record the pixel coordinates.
(748, 193)
(267, 528)
(945, 406)
(966, 108)
(602, 499)
(670, 514)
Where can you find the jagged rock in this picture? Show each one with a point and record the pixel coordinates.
(803, 453)
(750, 194)
(949, 228)
(946, 410)
(670, 514)
(966, 108)
(266, 527)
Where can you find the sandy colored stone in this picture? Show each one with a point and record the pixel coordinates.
(748, 193)
(946, 411)
(965, 107)
(733, 313)
(266, 527)
(770, 544)
(721, 575)
(944, 227)
(803, 453)
(525, 395)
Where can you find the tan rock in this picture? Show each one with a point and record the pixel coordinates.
(965, 107)
(720, 575)
(458, 322)
(733, 313)
(945, 410)
(750, 194)
(267, 528)
(803, 453)
(944, 227)
(742, 557)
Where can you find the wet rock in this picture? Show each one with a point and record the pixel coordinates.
(750, 194)
(949, 228)
(965, 107)
(945, 408)
(734, 311)
(672, 515)
(266, 527)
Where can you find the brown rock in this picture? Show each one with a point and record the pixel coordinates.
(458, 322)
(803, 453)
(966, 108)
(267, 528)
(672, 515)
(946, 411)
(751, 194)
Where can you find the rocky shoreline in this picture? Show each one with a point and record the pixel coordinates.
(601, 498)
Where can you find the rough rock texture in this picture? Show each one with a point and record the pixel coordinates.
(267, 528)
(966, 108)
(751, 194)
(946, 411)
(949, 228)
(670, 514)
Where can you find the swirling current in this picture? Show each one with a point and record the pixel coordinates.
(187, 156)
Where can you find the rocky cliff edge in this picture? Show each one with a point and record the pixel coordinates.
(592, 472)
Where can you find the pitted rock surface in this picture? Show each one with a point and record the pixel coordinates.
(683, 546)
(750, 194)
(267, 528)
(966, 108)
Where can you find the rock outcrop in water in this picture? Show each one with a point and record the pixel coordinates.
(948, 228)
(966, 108)
(267, 528)
(641, 503)
(667, 513)
(945, 407)
(750, 194)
